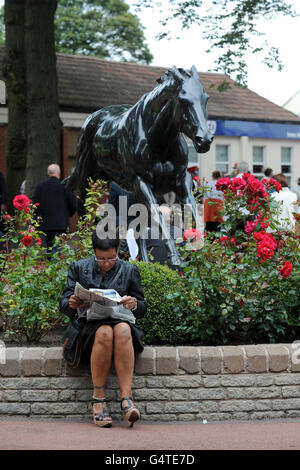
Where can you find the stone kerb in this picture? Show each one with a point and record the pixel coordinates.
(170, 383)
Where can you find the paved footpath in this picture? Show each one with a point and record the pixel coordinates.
(18, 434)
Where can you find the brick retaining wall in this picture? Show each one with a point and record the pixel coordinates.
(170, 384)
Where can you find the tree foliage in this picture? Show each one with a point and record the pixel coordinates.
(102, 28)
(230, 26)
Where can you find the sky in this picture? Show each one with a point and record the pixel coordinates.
(276, 86)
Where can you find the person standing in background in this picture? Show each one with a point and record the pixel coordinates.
(286, 199)
(213, 204)
(56, 204)
(268, 173)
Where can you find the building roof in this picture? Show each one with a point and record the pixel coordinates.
(86, 84)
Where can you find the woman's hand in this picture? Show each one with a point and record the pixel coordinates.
(129, 302)
(75, 302)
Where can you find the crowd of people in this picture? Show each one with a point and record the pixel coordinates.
(213, 200)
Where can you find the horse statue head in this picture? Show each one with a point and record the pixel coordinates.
(189, 105)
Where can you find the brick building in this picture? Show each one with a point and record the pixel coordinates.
(247, 127)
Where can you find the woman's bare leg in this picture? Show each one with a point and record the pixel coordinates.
(100, 364)
(123, 357)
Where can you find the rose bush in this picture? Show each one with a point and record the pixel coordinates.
(243, 284)
(30, 282)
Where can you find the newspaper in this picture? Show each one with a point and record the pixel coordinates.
(102, 304)
(105, 297)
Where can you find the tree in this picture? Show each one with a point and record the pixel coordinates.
(43, 123)
(101, 28)
(14, 75)
(230, 26)
(34, 128)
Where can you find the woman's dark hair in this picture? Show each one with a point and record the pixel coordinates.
(105, 243)
(282, 179)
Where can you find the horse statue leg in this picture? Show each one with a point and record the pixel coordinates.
(185, 196)
(146, 196)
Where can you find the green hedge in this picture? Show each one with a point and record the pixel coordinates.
(160, 322)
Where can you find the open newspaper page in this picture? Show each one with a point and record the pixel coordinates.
(103, 303)
(105, 297)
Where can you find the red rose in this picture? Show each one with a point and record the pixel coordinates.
(38, 241)
(27, 240)
(265, 249)
(21, 202)
(191, 234)
(286, 269)
(222, 184)
(256, 187)
(7, 217)
(260, 236)
(273, 184)
(224, 240)
(238, 185)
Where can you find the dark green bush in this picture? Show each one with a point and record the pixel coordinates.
(160, 322)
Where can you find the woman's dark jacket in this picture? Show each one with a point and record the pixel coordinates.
(124, 277)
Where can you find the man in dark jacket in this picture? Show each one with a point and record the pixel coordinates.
(56, 204)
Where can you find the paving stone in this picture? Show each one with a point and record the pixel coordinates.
(11, 368)
(291, 392)
(166, 362)
(144, 363)
(211, 360)
(256, 359)
(182, 407)
(53, 361)
(278, 357)
(189, 359)
(294, 352)
(233, 359)
(207, 394)
(32, 361)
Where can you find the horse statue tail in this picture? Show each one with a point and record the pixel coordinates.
(77, 181)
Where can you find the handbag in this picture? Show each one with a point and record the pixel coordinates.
(72, 344)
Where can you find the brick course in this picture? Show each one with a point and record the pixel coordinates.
(169, 384)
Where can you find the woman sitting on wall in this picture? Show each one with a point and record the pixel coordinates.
(108, 338)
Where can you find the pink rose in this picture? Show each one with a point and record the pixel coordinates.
(191, 234)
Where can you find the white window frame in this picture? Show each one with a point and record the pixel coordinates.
(290, 174)
(261, 173)
(226, 162)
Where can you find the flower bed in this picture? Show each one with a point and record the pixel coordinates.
(240, 285)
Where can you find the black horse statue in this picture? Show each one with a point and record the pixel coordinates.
(141, 148)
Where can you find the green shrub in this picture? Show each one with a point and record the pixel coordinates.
(161, 322)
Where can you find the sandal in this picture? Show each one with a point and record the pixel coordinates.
(101, 419)
(130, 412)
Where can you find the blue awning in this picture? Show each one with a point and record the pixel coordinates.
(267, 130)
